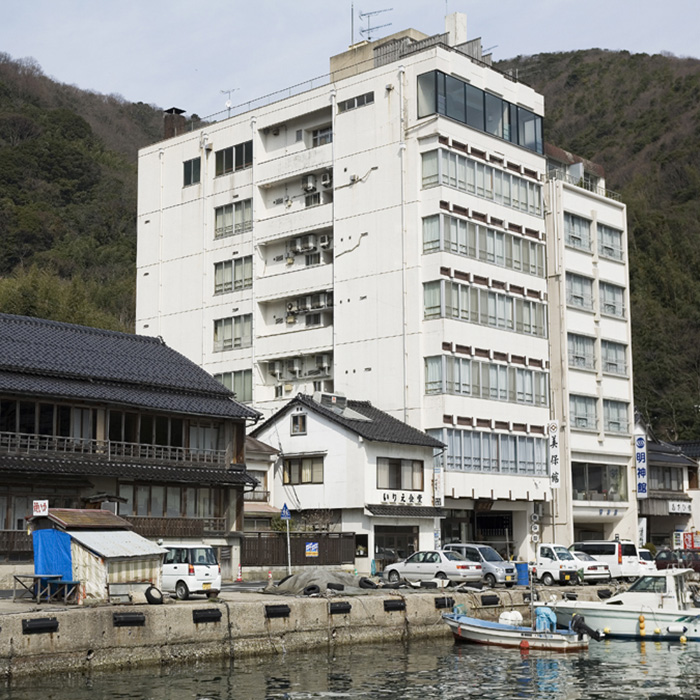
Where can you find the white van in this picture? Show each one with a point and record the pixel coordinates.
(621, 556)
(191, 569)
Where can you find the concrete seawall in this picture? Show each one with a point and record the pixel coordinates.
(55, 638)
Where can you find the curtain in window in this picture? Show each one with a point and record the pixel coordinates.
(431, 233)
(431, 299)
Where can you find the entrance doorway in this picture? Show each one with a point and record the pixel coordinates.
(392, 544)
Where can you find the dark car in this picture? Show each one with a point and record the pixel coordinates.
(678, 559)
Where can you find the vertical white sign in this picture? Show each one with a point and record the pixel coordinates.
(640, 459)
(553, 451)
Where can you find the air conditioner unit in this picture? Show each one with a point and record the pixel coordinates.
(323, 361)
(308, 183)
(324, 241)
(291, 318)
(327, 179)
(292, 307)
(275, 369)
(307, 242)
(295, 366)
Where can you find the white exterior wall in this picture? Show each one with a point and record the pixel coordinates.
(375, 332)
(592, 446)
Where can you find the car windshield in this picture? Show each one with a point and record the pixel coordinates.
(454, 556)
(645, 555)
(584, 556)
(563, 553)
(490, 554)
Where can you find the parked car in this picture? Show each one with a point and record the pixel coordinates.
(554, 564)
(646, 559)
(620, 555)
(590, 570)
(678, 559)
(191, 569)
(425, 565)
(496, 569)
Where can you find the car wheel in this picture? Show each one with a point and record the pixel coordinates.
(394, 576)
(509, 585)
(548, 579)
(490, 580)
(181, 590)
(212, 594)
(154, 596)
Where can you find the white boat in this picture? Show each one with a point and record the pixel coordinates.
(476, 631)
(658, 605)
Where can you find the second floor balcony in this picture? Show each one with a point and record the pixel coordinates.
(109, 450)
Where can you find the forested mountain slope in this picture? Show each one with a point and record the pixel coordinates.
(639, 117)
(68, 200)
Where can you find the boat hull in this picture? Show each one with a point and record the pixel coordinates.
(475, 631)
(630, 623)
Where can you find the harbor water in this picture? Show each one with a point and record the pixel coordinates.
(421, 670)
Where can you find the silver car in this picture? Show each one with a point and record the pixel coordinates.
(426, 565)
(495, 568)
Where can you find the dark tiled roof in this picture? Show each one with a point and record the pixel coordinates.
(11, 465)
(60, 359)
(664, 453)
(252, 445)
(406, 511)
(690, 448)
(381, 427)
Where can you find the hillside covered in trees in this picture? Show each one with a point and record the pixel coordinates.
(68, 200)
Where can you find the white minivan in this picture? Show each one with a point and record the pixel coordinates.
(191, 569)
(620, 555)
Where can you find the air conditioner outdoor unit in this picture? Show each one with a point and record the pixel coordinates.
(308, 183)
(323, 361)
(307, 242)
(295, 366)
(292, 306)
(276, 369)
(327, 179)
(324, 241)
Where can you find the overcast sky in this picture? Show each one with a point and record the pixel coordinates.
(189, 53)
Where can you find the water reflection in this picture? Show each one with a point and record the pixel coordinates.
(419, 671)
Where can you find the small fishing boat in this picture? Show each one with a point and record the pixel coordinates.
(658, 605)
(506, 634)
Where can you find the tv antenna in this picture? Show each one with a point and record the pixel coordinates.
(228, 101)
(369, 29)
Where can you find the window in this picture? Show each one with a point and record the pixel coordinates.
(598, 482)
(312, 259)
(307, 470)
(355, 102)
(577, 231)
(234, 158)
(612, 300)
(322, 136)
(240, 383)
(439, 93)
(192, 171)
(473, 451)
(581, 351)
(399, 474)
(233, 274)
(666, 478)
(313, 320)
(610, 242)
(312, 200)
(582, 410)
(614, 357)
(233, 218)
(615, 416)
(474, 177)
(579, 291)
(233, 332)
(298, 424)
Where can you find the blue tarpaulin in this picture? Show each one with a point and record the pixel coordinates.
(52, 553)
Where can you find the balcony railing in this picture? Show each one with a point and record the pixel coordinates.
(257, 496)
(177, 527)
(586, 183)
(108, 450)
(14, 543)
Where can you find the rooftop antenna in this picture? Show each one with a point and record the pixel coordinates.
(228, 101)
(368, 29)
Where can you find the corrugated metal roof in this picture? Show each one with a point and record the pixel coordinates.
(117, 544)
(92, 518)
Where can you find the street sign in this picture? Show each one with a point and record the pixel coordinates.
(285, 514)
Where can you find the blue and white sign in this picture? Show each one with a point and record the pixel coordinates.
(311, 549)
(640, 458)
(285, 514)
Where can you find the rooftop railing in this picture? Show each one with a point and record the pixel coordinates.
(585, 183)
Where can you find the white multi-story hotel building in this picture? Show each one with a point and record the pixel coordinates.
(591, 353)
(380, 236)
